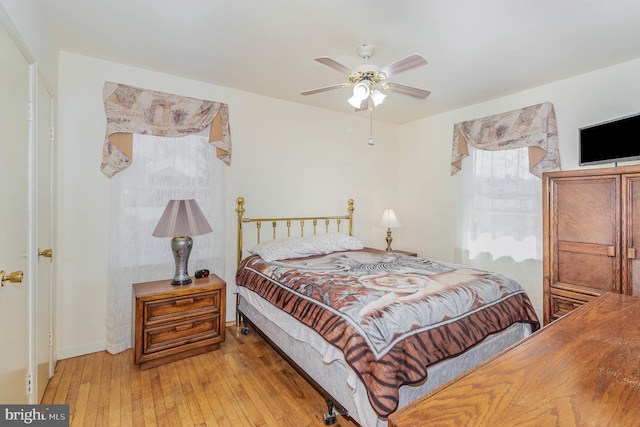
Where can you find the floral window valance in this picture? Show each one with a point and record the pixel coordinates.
(132, 110)
(534, 127)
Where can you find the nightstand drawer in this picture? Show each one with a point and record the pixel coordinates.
(178, 334)
(188, 306)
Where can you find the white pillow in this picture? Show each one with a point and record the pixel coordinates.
(334, 242)
(299, 247)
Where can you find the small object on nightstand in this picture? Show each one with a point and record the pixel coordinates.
(202, 273)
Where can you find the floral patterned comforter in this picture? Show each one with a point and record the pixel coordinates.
(392, 315)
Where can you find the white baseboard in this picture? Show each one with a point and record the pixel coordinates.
(79, 350)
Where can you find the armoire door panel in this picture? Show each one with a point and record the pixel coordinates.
(591, 239)
(586, 210)
(589, 270)
(635, 278)
(587, 248)
(631, 234)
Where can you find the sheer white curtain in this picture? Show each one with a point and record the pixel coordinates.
(502, 208)
(500, 224)
(163, 169)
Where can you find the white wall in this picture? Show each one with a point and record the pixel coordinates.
(26, 17)
(427, 192)
(287, 159)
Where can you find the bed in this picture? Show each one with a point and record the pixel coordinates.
(371, 330)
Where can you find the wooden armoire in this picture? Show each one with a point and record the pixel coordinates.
(591, 239)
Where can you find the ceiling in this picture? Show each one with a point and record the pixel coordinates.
(477, 50)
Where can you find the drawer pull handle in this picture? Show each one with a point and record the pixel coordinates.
(184, 301)
(184, 327)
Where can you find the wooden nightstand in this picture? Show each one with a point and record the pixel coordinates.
(174, 322)
(405, 252)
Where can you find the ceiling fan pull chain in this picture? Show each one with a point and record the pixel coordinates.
(371, 126)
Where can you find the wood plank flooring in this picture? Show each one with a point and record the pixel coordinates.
(243, 384)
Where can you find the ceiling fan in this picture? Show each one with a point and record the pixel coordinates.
(369, 80)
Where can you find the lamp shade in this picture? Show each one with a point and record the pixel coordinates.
(389, 219)
(182, 218)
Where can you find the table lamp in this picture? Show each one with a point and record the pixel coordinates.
(389, 220)
(180, 220)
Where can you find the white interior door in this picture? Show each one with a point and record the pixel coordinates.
(14, 220)
(44, 239)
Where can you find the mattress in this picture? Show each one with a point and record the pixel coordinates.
(391, 315)
(327, 366)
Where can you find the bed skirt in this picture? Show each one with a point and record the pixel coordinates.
(326, 365)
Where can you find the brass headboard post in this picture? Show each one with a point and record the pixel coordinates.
(240, 213)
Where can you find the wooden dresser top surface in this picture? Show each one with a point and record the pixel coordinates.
(147, 290)
(581, 370)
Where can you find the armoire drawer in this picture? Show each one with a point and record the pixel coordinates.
(562, 302)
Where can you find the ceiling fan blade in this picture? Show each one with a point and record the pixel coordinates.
(334, 64)
(411, 61)
(324, 89)
(408, 90)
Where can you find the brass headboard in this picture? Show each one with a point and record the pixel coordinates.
(323, 219)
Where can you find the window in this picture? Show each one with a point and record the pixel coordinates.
(500, 224)
(501, 206)
(162, 169)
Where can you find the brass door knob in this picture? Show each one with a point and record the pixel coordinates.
(15, 277)
(47, 253)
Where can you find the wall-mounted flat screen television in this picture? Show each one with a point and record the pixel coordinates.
(610, 142)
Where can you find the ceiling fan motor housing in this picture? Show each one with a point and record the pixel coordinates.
(374, 78)
(366, 50)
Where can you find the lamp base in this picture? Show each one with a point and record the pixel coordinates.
(389, 240)
(181, 247)
(181, 282)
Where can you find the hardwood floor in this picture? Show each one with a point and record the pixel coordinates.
(244, 383)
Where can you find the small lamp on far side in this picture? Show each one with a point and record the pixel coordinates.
(389, 220)
(180, 220)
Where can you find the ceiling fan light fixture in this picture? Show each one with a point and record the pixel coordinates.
(360, 92)
(377, 97)
(369, 81)
(355, 103)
